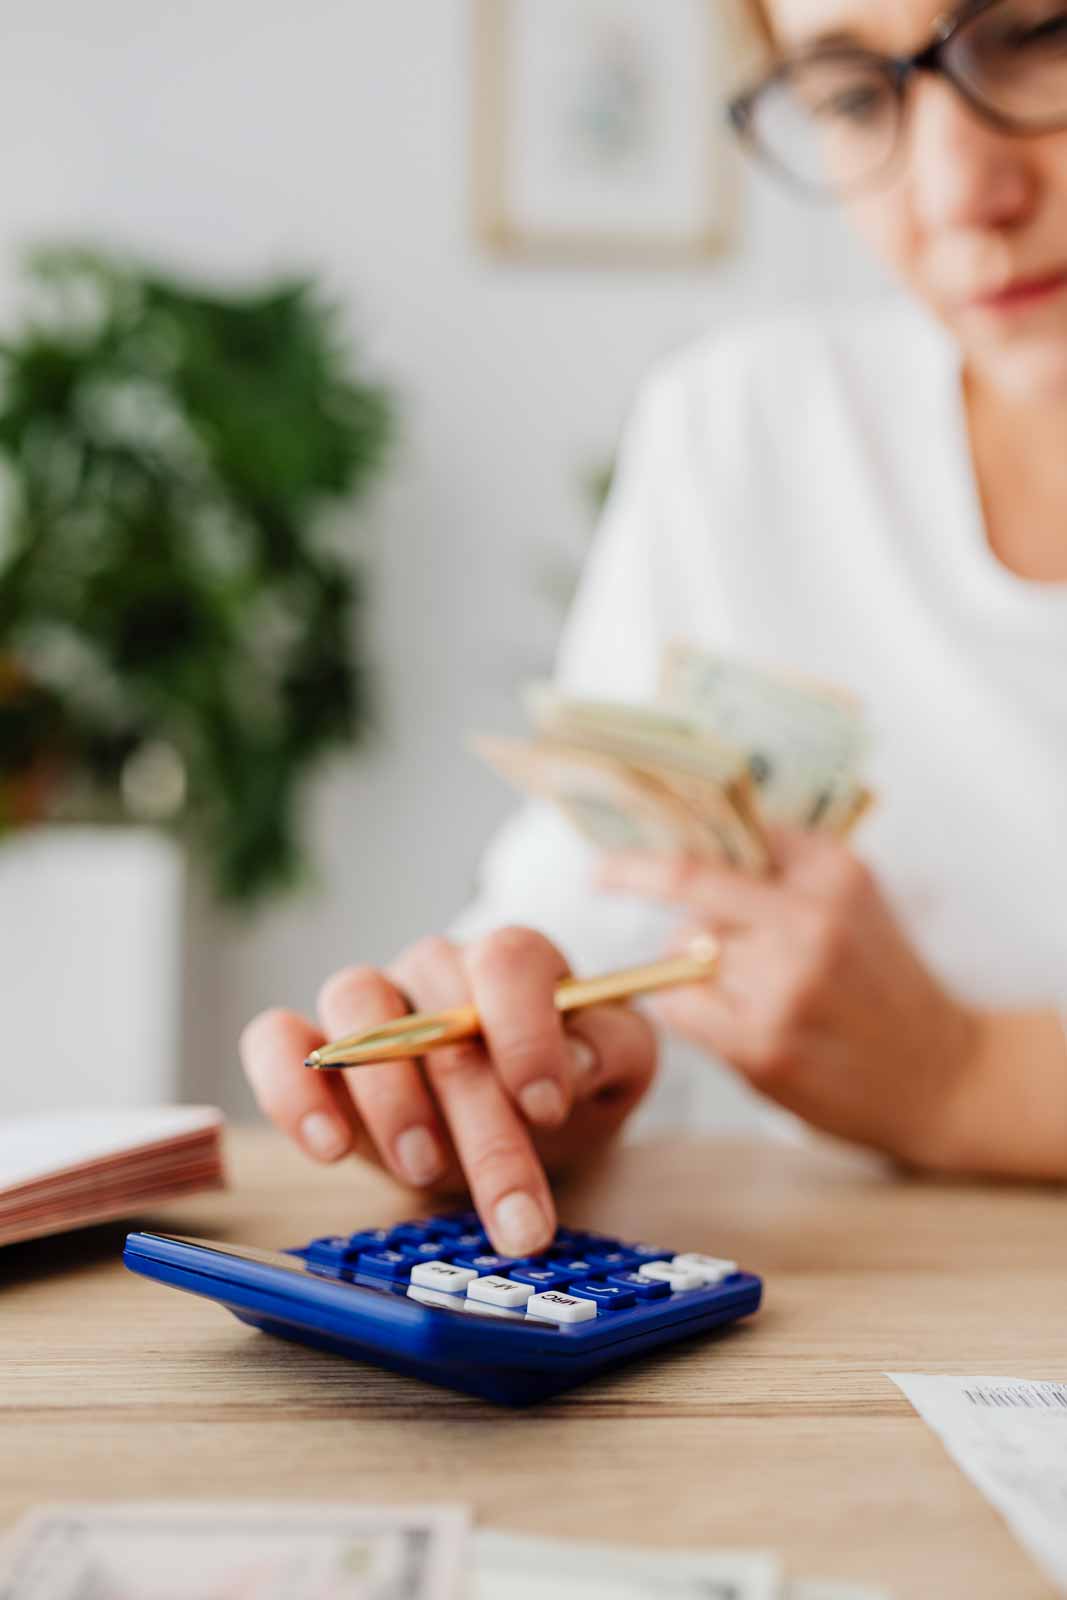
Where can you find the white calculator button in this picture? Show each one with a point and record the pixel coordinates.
(555, 1306)
(667, 1272)
(482, 1308)
(436, 1297)
(713, 1269)
(440, 1275)
(497, 1291)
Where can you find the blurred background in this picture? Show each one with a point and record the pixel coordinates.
(366, 373)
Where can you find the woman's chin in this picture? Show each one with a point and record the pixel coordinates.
(1029, 365)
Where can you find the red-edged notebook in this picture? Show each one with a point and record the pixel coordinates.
(64, 1171)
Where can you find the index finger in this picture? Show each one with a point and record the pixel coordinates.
(506, 1178)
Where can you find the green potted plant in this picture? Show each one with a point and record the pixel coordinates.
(177, 602)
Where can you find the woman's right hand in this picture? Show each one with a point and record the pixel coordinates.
(489, 1115)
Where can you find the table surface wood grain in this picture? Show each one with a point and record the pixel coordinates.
(782, 1433)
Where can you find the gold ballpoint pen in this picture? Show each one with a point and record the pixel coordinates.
(413, 1035)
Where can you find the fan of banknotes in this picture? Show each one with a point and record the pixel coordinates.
(727, 751)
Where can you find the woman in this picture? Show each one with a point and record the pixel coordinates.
(881, 501)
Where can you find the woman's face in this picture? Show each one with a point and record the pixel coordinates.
(973, 220)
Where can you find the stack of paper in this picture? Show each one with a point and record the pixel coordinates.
(64, 1171)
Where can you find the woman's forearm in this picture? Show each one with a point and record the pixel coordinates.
(1008, 1114)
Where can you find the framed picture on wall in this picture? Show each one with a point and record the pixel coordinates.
(599, 129)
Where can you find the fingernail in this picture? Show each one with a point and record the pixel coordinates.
(543, 1102)
(323, 1137)
(583, 1059)
(419, 1155)
(519, 1225)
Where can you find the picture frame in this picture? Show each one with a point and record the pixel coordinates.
(599, 131)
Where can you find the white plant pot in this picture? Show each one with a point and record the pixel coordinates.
(90, 968)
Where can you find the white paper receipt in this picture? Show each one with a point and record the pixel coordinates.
(1009, 1435)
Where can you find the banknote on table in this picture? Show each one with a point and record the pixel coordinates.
(805, 741)
(513, 1567)
(235, 1551)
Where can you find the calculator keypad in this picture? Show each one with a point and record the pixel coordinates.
(447, 1261)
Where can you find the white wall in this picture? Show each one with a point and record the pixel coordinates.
(237, 135)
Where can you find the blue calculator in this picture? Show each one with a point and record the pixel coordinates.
(430, 1299)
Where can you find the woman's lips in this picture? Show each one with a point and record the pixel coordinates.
(1021, 293)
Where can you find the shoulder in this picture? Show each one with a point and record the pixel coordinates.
(773, 362)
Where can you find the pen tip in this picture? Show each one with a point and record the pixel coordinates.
(313, 1059)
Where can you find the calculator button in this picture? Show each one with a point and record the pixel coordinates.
(667, 1272)
(609, 1296)
(644, 1288)
(457, 1222)
(369, 1239)
(599, 1242)
(442, 1275)
(541, 1277)
(571, 1239)
(384, 1263)
(712, 1269)
(482, 1265)
(330, 1251)
(555, 1306)
(436, 1297)
(413, 1233)
(482, 1308)
(432, 1250)
(472, 1243)
(575, 1268)
(497, 1291)
(647, 1252)
(602, 1260)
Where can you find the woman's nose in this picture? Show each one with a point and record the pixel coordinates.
(965, 172)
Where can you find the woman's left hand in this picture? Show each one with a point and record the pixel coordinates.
(821, 1002)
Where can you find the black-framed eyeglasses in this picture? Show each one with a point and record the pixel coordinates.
(832, 119)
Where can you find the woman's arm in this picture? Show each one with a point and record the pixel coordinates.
(1009, 1112)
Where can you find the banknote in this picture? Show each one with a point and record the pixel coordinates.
(612, 803)
(236, 1551)
(711, 779)
(512, 1567)
(804, 741)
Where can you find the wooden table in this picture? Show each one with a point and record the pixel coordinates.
(782, 1433)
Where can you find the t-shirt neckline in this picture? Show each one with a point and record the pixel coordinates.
(992, 587)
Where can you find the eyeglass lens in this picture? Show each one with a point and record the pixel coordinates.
(834, 120)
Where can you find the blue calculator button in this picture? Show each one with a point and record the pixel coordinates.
(369, 1239)
(608, 1296)
(385, 1263)
(331, 1251)
(484, 1265)
(643, 1288)
(432, 1250)
(610, 1260)
(455, 1223)
(648, 1252)
(542, 1278)
(576, 1266)
(473, 1243)
(413, 1233)
(566, 1238)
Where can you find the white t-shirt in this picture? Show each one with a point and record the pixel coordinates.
(801, 494)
